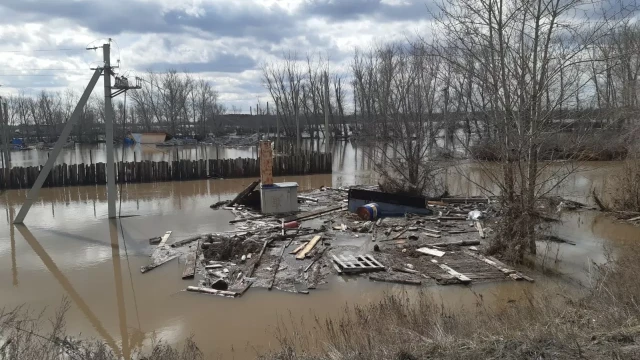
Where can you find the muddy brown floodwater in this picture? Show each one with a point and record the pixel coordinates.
(68, 248)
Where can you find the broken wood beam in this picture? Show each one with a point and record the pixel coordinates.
(190, 265)
(457, 243)
(255, 264)
(478, 226)
(429, 251)
(397, 281)
(461, 277)
(187, 241)
(432, 235)
(316, 258)
(211, 291)
(164, 239)
(295, 251)
(306, 198)
(464, 200)
(404, 270)
(308, 247)
(309, 214)
(147, 268)
(244, 193)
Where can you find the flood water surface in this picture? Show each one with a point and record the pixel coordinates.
(68, 248)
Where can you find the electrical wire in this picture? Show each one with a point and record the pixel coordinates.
(133, 290)
(40, 50)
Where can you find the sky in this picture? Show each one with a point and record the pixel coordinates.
(226, 42)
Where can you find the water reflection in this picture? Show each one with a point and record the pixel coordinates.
(68, 287)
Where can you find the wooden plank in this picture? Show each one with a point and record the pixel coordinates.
(466, 200)
(429, 251)
(165, 237)
(309, 214)
(244, 192)
(463, 278)
(433, 230)
(190, 265)
(315, 258)
(147, 268)
(457, 243)
(211, 291)
(253, 267)
(432, 235)
(295, 251)
(397, 281)
(404, 270)
(478, 226)
(186, 241)
(308, 247)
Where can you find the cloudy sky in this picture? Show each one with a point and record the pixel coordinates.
(224, 41)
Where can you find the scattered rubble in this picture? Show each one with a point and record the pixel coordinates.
(431, 242)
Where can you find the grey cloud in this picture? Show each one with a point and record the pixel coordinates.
(222, 63)
(340, 10)
(263, 25)
(99, 16)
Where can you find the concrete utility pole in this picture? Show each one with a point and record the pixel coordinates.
(42, 176)
(297, 125)
(5, 154)
(277, 126)
(108, 122)
(326, 112)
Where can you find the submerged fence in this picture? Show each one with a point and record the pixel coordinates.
(154, 171)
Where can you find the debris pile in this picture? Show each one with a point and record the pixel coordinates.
(433, 241)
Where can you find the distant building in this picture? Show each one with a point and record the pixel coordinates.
(149, 138)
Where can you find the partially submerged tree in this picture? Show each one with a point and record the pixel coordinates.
(396, 94)
(527, 59)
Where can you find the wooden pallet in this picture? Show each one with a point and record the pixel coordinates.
(356, 264)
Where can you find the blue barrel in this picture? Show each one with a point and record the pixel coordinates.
(368, 212)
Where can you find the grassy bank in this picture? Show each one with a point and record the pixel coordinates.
(601, 323)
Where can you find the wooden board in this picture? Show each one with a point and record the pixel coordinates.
(478, 226)
(185, 241)
(397, 281)
(308, 247)
(244, 192)
(429, 251)
(147, 268)
(211, 291)
(431, 235)
(450, 271)
(165, 237)
(295, 251)
(190, 265)
(309, 214)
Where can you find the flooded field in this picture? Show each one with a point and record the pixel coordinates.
(68, 248)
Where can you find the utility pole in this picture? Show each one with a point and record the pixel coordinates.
(121, 86)
(5, 155)
(108, 123)
(277, 126)
(326, 112)
(297, 123)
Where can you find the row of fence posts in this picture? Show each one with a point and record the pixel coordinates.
(303, 163)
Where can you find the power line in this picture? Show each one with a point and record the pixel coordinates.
(40, 50)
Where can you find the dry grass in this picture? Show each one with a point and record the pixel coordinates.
(27, 335)
(627, 194)
(602, 323)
